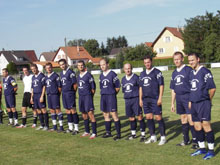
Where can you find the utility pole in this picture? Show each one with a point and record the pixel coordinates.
(65, 41)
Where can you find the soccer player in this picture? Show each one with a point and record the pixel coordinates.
(69, 88)
(26, 102)
(180, 89)
(150, 94)
(38, 97)
(1, 112)
(202, 91)
(130, 88)
(86, 90)
(53, 90)
(10, 88)
(109, 86)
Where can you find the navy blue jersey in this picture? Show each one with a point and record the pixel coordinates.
(180, 80)
(151, 82)
(85, 83)
(130, 86)
(201, 81)
(38, 82)
(108, 83)
(52, 83)
(9, 84)
(68, 79)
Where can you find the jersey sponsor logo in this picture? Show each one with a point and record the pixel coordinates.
(105, 83)
(194, 83)
(35, 82)
(48, 83)
(63, 81)
(127, 87)
(146, 81)
(178, 79)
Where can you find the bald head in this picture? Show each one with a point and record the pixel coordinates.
(128, 69)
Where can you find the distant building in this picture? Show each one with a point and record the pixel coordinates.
(73, 54)
(115, 51)
(21, 58)
(167, 42)
(47, 56)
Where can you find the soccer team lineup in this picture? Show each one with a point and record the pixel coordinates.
(192, 88)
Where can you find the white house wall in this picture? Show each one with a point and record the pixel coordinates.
(42, 58)
(61, 55)
(3, 62)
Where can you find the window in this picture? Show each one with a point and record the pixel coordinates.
(176, 48)
(161, 50)
(167, 39)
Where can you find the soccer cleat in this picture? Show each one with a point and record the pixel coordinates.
(52, 130)
(183, 143)
(198, 152)
(209, 155)
(93, 136)
(21, 126)
(75, 132)
(45, 129)
(61, 130)
(16, 125)
(152, 139)
(142, 139)
(85, 134)
(116, 138)
(195, 146)
(39, 128)
(33, 126)
(162, 141)
(69, 131)
(131, 137)
(107, 135)
(10, 124)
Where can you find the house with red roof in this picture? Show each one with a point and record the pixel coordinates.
(167, 42)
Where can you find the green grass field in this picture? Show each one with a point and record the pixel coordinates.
(28, 146)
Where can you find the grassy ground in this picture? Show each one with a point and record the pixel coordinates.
(28, 146)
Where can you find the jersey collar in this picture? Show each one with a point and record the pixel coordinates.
(180, 68)
(64, 71)
(149, 71)
(107, 72)
(196, 71)
(129, 77)
(37, 74)
(6, 79)
(50, 74)
(81, 75)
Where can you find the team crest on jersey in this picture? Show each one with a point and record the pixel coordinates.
(35, 82)
(63, 80)
(207, 76)
(146, 81)
(194, 83)
(105, 83)
(127, 87)
(48, 82)
(5, 85)
(178, 79)
(81, 82)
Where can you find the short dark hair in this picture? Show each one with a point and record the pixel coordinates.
(148, 57)
(5, 69)
(81, 61)
(34, 65)
(104, 59)
(26, 67)
(193, 54)
(178, 53)
(49, 64)
(62, 60)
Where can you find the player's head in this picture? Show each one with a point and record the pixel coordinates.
(178, 59)
(34, 69)
(63, 64)
(5, 72)
(49, 68)
(81, 65)
(194, 60)
(25, 70)
(148, 62)
(103, 65)
(128, 69)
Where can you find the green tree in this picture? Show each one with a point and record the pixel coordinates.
(138, 52)
(103, 50)
(201, 35)
(92, 46)
(113, 42)
(75, 42)
(119, 60)
(12, 69)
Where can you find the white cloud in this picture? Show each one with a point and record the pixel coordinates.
(115, 6)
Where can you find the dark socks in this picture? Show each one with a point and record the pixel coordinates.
(185, 131)
(133, 125)
(94, 127)
(34, 119)
(142, 125)
(86, 124)
(193, 132)
(162, 127)
(1, 116)
(151, 126)
(69, 118)
(46, 118)
(108, 126)
(41, 117)
(211, 140)
(118, 128)
(24, 120)
(75, 118)
(201, 139)
(15, 114)
(10, 115)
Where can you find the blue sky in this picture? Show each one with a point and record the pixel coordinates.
(42, 25)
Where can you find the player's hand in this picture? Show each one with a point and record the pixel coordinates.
(141, 103)
(159, 102)
(41, 99)
(31, 101)
(190, 105)
(173, 108)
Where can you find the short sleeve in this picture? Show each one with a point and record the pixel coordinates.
(208, 78)
(92, 82)
(116, 81)
(73, 78)
(160, 78)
